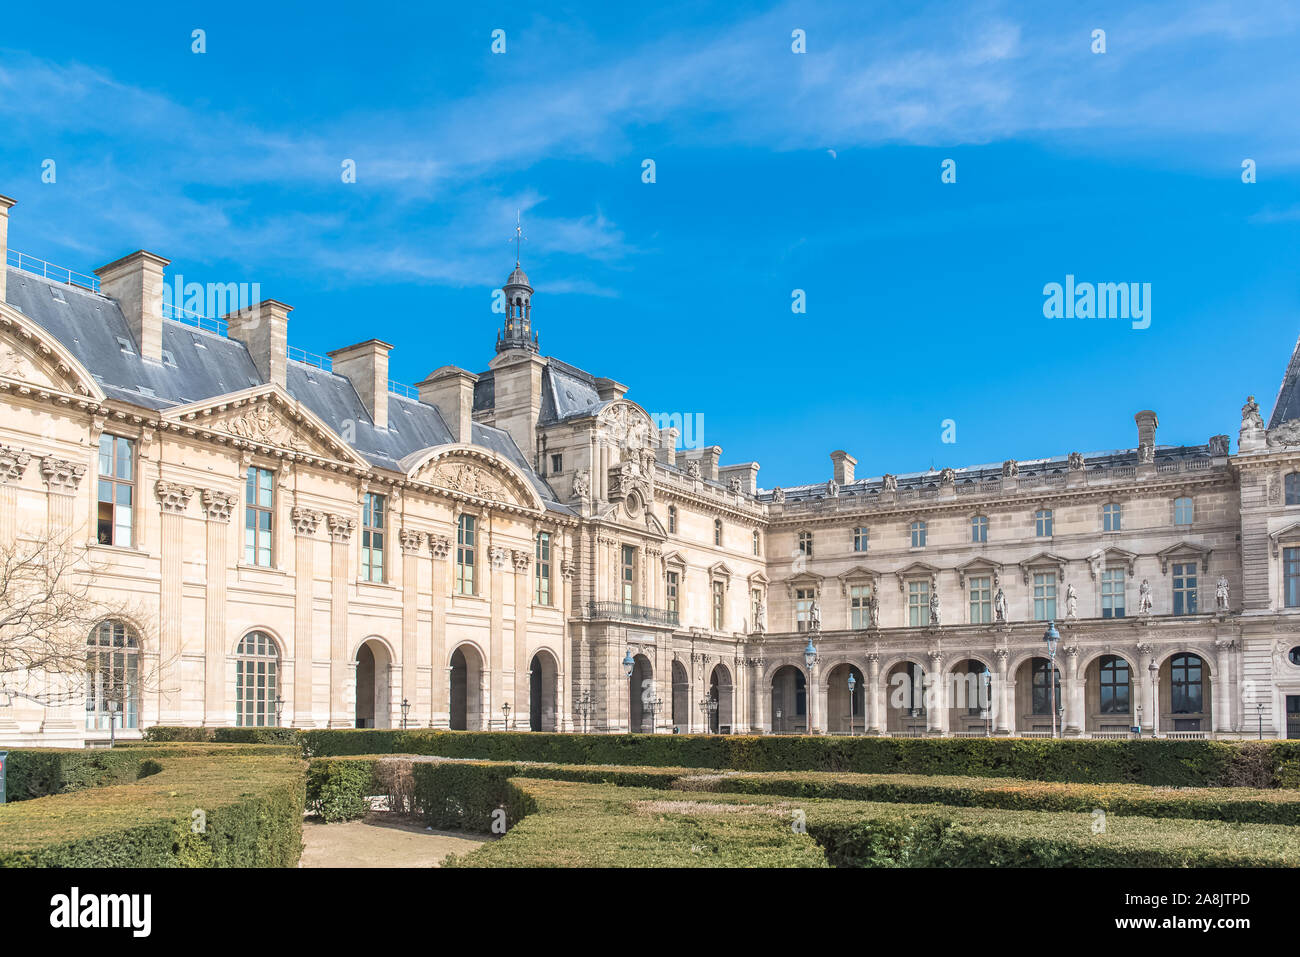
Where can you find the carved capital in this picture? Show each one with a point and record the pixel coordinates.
(13, 464)
(217, 505)
(521, 559)
(172, 496)
(60, 475)
(341, 527)
(439, 546)
(499, 556)
(567, 570)
(305, 520)
(412, 541)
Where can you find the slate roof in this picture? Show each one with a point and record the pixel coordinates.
(201, 365)
(1287, 404)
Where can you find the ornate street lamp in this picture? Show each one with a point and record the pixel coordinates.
(585, 707)
(1052, 637)
(505, 710)
(708, 705)
(653, 706)
(1139, 720)
(1259, 706)
(988, 703)
(279, 709)
(112, 721)
(852, 684)
(810, 659)
(628, 667)
(406, 709)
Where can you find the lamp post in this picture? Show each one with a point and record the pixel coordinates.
(1052, 636)
(1139, 721)
(279, 709)
(1259, 707)
(779, 729)
(653, 706)
(584, 707)
(853, 682)
(406, 710)
(708, 706)
(628, 667)
(112, 721)
(810, 659)
(988, 703)
(505, 710)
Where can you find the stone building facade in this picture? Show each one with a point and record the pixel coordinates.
(298, 540)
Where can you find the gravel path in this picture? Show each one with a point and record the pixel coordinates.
(376, 842)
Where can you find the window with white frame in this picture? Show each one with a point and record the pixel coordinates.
(116, 490)
(860, 538)
(758, 543)
(1184, 588)
(1045, 596)
(918, 534)
(980, 588)
(1112, 593)
(1183, 511)
(257, 667)
(803, 599)
(671, 592)
(860, 606)
(672, 519)
(918, 603)
(372, 537)
(627, 575)
(259, 509)
(1110, 517)
(1291, 576)
(112, 677)
(1043, 523)
(717, 531)
(719, 604)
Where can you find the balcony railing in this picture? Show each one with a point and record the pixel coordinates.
(50, 271)
(623, 611)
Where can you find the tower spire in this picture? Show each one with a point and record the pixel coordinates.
(518, 332)
(519, 236)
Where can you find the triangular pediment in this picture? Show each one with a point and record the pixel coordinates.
(1184, 550)
(858, 573)
(474, 473)
(1111, 555)
(975, 565)
(31, 358)
(803, 580)
(1289, 532)
(1041, 560)
(265, 417)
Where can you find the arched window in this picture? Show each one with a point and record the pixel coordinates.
(1114, 674)
(1183, 511)
(717, 531)
(672, 519)
(113, 676)
(1186, 684)
(257, 677)
(1042, 696)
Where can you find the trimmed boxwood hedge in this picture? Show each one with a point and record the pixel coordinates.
(252, 804)
(37, 772)
(1156, 762)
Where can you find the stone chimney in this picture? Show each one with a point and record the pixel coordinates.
(708, 458)
(5, 204)
(844, 464)
(1146, 423)
(264, 329)
(136, 283)
(667, 451)
(451, 391)
(366, 364)
(608, 389)
(747, 472)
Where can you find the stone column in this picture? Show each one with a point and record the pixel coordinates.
(412, 544)
(872, 701)
(440, 668)
(522, 704)
(305, 522)
(564, 708)
(936, 705)
(1222, 685)
(173, 500)
(340, 530)
(217, 507)
(1070, 718)
(62, 479)
(13, 465)
(1153, 696)
(1005, 719)
(495, 717)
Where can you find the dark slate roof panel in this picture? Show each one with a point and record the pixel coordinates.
(1287, 404)
(567, 392)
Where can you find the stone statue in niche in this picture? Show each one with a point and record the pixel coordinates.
(934, 608)
(1221, 594)
(1000, 605)
(873, 607)
(1144, 598)
(760, 617)
(815, 616)
(1071, 602)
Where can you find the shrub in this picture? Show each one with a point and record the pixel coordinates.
(395, 778)
(37, 772)
(468, 796)
(338, 790)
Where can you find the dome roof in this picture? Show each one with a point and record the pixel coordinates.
(518, 278)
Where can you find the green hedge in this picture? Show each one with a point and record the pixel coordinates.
(38, 772)
(251, 808)
(338, 790)
(163, 733)
(1155, 762)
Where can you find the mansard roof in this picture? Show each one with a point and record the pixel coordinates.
(1287, 404)
(201, 365)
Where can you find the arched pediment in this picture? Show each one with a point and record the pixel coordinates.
(473, 472)
(627, 425)
(31, 355)
(266, 416)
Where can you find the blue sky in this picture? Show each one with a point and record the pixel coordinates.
(775, 171)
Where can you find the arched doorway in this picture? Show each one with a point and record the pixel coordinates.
(374, 683)
(1034, 697)
(466, 689)
(542, 697)
(1110, 695)
(681, 698)
(970, 698)
(721, 691)
(1185, 696)
(906, 696)
(789, 700)
(838, 703)
(640, 690)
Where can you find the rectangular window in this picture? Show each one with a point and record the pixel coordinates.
(628, 576)
(1043, 523)
(672, 592)
(466, 554)
(557, 464)
(1291, 576)
(918, 604)
(1112, 593)
(981, 599)
(372, 538)
(719, 605)
(259, 497)
(918, 534)
(806, 543)
(116, 490)
(542, 591)
(803, 599)
(860, 605)
(1183, 511)
(1045, 596)
(1110, 518)
(979, 529)
(859, 539)
(1185, 588)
